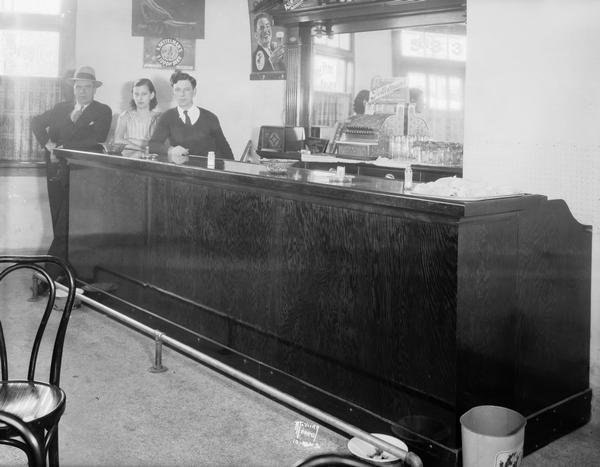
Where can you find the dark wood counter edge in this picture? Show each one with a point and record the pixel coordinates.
(437, 168)
(449, 169)
(351, 197)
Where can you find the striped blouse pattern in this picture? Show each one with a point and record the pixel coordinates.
(134, 126)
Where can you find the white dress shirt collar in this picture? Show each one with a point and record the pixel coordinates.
(193, 113)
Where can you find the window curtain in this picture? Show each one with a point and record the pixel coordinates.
(445, 125)
(20, 99)
(329, 108)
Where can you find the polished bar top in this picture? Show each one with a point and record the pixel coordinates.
(296, 180)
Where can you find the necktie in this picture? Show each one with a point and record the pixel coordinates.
(188, 122)
(76, 114)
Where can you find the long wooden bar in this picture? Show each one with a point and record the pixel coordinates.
(394, 312)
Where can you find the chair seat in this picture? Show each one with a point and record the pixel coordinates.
(31, 401)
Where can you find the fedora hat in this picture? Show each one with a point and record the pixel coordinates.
(86, 73)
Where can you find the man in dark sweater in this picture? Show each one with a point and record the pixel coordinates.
(188, 129)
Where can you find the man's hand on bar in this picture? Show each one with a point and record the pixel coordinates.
(177, 155)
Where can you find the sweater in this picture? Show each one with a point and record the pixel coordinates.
(203, 136)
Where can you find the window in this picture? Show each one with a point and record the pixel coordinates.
(330, 74)
(30, 37)
(441, 92)
(433, 59)
(36, 39)
(29, 53)
(338, 41)
(433, 45)
(332, 80)
(42, 7)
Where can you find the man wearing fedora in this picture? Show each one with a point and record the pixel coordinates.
(81, 124)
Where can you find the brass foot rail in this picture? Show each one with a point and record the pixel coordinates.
(410, 458)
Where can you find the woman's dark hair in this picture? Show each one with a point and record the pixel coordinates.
(144, 82)
(181, 76)
(417, 97)
(359, 101)
(415, 94)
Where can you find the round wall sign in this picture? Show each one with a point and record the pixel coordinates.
(169, 52)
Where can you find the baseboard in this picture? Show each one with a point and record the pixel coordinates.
(557, 420)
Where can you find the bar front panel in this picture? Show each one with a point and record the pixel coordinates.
(379, 308)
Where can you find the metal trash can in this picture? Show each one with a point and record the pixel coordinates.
(492, 436)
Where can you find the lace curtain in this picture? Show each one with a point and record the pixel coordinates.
(329, 108)
(20, 99)
(445, 125)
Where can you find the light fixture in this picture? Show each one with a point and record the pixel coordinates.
(291, 4)
(321, 29)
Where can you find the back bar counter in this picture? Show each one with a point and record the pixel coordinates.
(394, 312)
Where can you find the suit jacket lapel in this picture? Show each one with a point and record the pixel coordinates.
(86, 117)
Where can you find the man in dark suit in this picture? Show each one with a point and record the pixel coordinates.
(82, 125)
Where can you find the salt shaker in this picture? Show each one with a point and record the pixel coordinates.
(210, 162)
(408, 178)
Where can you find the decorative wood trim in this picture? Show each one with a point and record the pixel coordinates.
(360, 11)
(293, 78)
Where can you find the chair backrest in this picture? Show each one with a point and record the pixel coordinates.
(36, 264)
(332, 460)
(35, 451)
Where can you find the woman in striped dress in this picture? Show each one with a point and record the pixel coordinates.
(135, 126)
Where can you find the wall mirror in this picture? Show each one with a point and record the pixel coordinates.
(431, 57)
(342, 46)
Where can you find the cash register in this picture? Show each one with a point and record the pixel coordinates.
(371, 135)
(367, 137)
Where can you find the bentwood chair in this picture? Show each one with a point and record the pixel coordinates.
(332, 460)
(40, 403)
(35, 447)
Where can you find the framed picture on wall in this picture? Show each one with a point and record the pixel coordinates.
(168, 18)
(268, 51)
(169, 52)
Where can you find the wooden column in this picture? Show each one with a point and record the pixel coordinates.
(297, 95)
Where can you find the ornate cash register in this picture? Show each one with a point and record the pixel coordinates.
(367, 137)
(393, 131)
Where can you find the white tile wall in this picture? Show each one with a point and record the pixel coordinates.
(532, 117)
(25, 223)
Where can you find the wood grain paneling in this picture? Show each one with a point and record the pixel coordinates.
(376, 305)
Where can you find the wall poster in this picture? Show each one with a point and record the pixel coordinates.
(183, 19)
(268, 51)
